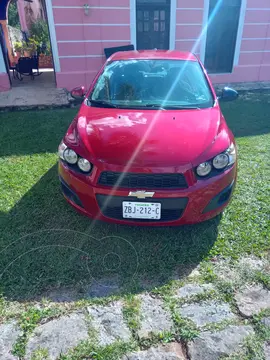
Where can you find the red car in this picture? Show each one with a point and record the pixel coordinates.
(149, 145)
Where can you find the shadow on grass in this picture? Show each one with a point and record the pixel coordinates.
(248, 116)
(32, 132)
(47, 249)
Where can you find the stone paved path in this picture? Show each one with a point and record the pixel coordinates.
(222, 329)
(28, 93)
(193, 289)
(173, 351)
(155, 318)
(58, 336)
(207, 312)
(8, 334)
(108, 323)
(213, 345)
(252, 300)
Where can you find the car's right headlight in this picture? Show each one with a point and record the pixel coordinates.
(70, 156)
(62, 147)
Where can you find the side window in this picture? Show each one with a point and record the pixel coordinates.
(221, 35)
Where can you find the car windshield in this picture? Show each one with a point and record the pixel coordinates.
(152, 83)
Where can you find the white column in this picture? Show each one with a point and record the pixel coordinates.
(204, 30)
(240, 32)
(52, 31)
(2, 62)
(173, 24)
(133, 24)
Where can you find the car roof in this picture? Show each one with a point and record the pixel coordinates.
(153, 54)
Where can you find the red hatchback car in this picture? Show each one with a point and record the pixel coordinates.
(149, 145)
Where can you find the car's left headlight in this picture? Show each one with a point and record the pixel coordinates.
(219, 162)
(231, 152)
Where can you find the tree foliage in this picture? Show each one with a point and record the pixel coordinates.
(13, 16)
(39, 32)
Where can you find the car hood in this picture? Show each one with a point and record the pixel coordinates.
(148, 137)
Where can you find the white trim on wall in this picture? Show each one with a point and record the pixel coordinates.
(92, 7)
(52, 31)
(80, 56)
(255, 9)
(92, 41)
(133, 28)
(240, 32)
(254, 51)
(246, 23)
(186, 8)
(186, 40)
(172, 25)
(92, 25)
(204, 30)
(266, 38)
(193, 24)
(2, 62)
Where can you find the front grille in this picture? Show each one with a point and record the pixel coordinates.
(143, 181)
(171, 208)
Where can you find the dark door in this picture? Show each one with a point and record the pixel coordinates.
(153, 24)
(221, 35)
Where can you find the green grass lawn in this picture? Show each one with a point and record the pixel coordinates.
(45, 244)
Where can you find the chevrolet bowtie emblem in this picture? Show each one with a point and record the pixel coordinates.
(141, 194)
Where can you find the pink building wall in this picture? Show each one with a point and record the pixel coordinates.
(81, 38)
(4, 82)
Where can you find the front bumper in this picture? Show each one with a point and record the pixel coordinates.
(202, 200)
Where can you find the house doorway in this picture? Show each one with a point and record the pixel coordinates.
(153, 24)
(27, 44)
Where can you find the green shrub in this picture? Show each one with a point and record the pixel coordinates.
(39, 33)
(13, 16)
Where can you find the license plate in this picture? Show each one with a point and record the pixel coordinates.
(140, 210)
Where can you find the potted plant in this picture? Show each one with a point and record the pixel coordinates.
(30, 48)
(18, 48)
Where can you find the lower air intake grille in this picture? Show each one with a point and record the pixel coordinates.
(171, 208)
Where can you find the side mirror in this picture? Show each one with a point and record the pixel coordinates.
(228, 94)
(78, 93)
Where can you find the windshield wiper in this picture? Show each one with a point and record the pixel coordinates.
(102, 103)
(154, 106)
(175, 107)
